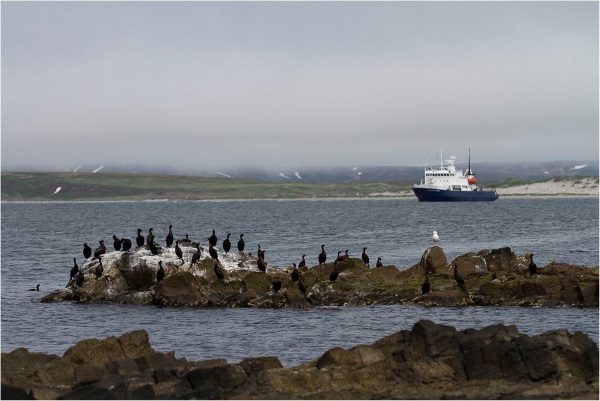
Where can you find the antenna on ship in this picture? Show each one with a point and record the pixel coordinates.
(470, 176)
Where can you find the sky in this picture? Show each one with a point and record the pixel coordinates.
(296, 84)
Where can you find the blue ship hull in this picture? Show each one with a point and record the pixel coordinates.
(441, 195)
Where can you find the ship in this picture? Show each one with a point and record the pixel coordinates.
(444, 183)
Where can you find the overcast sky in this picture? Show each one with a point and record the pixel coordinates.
(295, 84)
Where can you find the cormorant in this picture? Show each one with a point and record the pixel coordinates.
(153, 248)
(260, 252)
(170, 236)
(213, 252)
(116, 243)
(101, 250)
(435, 238)
(322, 255)
(139, 240)
(532, 266)
(302, 262)
(365, 257)
(160, 274)
(338, 259)
(126, 243)
(262, 265)
(196, 255)
(87, 251)
(241, 243)
(99, 268)
(186, 240)
(80, 279)
(459, 280)
(37, 288)
(179, 252)
(74, 269)
(276, 285)
(150, 238)
(212, 240)
(219, 272)
(227, 243)
(295, 274)
(426, 285)
(334, 275)
(379, 263)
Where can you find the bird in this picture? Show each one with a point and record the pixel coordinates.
(169, 239)
(426, 285)
(219, 272)
(379, 263)
(126, 244)
(179, 252)
(79, 280)
(276, 285)
(186, 240)
(322, 255)
(338, 259)
(365, 257)
(227, 243)
(87, 251)
(74, 269)
(301, 285)
(532, 266)
(57, 190)
(139, 240)
(295, 274)
(99, 268)
(160, 273)
(116, 243)
(153, 248)
(37, 288)
(149, 238)
(459, 280)
(435, 238)
(241, 243)
(212, 252)
(212, 240)
(101, 250)
(302, 262)
(262, 265)
(334, 275)
(260, 252)
(196, 255)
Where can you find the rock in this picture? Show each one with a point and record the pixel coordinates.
(501, 259)
(433, 259)
(178, 289)
(430, 361)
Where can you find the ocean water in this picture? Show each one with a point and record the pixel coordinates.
(40, 240)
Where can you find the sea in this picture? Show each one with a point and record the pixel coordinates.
(40, 240)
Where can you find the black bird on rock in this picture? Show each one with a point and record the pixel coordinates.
(262, 265)
(379, 263)
(335, 262)
(219, 272)
(196, 256)
(74, 269)
(153, 248)
(99, 268)
(150, 238)
(426, 285)
(260, 252)
(79, 279)
(87, 251)
(160, 273)
(532, 266)
(334, 275)
(139, 240)
(126, 244)
(365, 257)
(302, 262)
(213, 252)
(459, 280)
(212, 240)
(179, 252)
(295, 274)
(322, 255)
(241, 243)
(227, 243)
(116, 243)
(276, 285)
(169, 239)
(101, 250)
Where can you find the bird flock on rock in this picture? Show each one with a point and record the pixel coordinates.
(123, 244)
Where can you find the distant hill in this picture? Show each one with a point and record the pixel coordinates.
(486, 172)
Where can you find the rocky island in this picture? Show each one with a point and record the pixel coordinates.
(489, 277)
(431, 361)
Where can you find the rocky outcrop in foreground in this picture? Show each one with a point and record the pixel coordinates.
(492, 277)
(431, 361)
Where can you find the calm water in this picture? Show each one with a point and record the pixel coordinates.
(40, 240)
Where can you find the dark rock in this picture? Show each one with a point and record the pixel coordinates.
(14, 393)
(501, 259)
(433, 259)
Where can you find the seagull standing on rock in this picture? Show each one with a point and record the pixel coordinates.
(435, 238)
